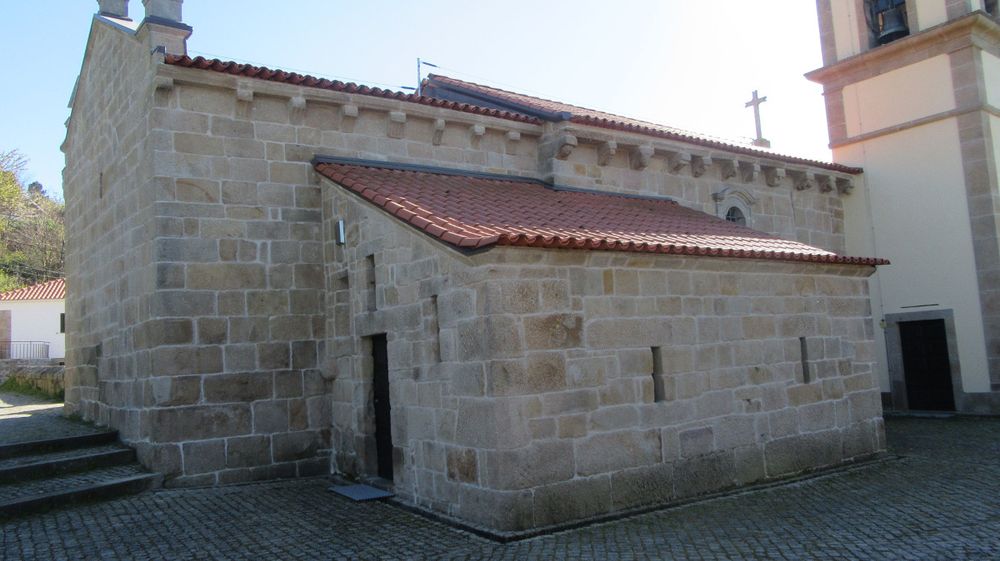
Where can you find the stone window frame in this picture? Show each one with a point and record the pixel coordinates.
(894, 354)
(740, 199)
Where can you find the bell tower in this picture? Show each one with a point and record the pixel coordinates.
(912, 91)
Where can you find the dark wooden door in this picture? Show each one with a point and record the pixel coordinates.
(926, 366)
(380, 395)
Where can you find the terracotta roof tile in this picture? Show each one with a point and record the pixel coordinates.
(472, 211)
(51, 290)
(611, 121)
(264, 73)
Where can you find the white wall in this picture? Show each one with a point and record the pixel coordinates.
(929, 13)
(845, 29)
(991, 77)
(37, 320)
(916, 187)
(899, 96)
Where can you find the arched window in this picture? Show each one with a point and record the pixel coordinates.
(735, 215)
(734, 205)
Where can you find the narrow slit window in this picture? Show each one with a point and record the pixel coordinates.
(436, 328)
(370, 273)
(804, 350)
(660, 392)
(62, 323)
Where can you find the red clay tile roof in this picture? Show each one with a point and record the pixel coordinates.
(264, 73)
(610, 121)
(51, 290)
(472, 211)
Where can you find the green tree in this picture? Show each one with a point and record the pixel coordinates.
(31, 227)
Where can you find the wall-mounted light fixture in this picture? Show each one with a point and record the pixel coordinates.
(341, 233)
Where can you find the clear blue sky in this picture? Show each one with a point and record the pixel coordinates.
(685, 63)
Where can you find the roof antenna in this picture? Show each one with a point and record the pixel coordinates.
(420, 79)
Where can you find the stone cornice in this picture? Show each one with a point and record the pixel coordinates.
(976, 29)
(679, 158)
(171, 74)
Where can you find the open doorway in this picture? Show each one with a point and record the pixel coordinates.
(926, 365)
(381, 406)
(924, 369)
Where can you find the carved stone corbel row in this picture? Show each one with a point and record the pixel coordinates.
(802, 179)
(677, 161)
(700, 165)
(439, 126)
(824, 182)
(606, 152)
(513, 141)
(749, 171)
(773, 175)
(728, 168)
(640, 156)
(476, 134)
(565, 146)
(845, 185)
(396, 127)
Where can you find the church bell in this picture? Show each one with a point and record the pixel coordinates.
(889, 19)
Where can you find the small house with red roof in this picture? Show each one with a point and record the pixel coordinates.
(33, 321)
(513, 312)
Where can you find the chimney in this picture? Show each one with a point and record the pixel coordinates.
(163, 26)
(113, 8)
(169, 10)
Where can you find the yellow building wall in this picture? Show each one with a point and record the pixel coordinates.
(918, 174)
(886, 100)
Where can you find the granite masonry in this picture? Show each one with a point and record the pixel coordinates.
(227, 297)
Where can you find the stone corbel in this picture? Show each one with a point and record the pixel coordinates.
(845, 185)
(803, 179)
(513, 141)
(244, 92)
(640, 156)
(606, 152)
(163, 83)
(565, 146)
(677, 161)
(728, 168)
(476, 133)
(773, 175)
(348, 115)
(824, 182)
(396, 126)
(439, 126)
(296, 108)
(700, 164)
(749, 172)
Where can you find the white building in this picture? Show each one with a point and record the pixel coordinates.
(912, 91)
(33, 321)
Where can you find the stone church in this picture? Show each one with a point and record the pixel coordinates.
(513, 312)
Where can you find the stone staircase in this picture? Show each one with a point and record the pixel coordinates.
(44, 474)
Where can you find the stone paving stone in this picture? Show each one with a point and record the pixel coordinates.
(940, 501)
(24, 419)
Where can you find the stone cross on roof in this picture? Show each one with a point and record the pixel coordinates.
(755, 103)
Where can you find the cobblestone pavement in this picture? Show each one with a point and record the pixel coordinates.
(940, 501)
(24, 419)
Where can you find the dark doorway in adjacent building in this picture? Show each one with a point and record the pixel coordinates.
(926, 366)
(380, 398)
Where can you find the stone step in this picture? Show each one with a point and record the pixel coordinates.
(37, 466)
(14, 450)
(26, 497)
